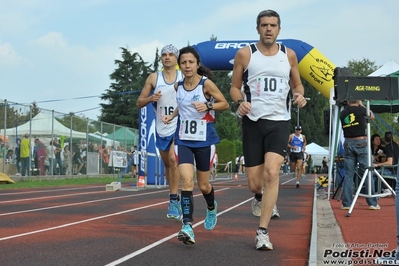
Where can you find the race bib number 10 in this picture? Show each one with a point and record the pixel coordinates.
(192, 130)
(270, 86)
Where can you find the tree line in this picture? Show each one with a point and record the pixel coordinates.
(129, 77)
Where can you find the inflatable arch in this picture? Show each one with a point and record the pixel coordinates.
(313, 66)
(219, 55)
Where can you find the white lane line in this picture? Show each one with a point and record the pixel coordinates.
(80, 203)
(288, 181)
(157, 243)
(51, 197)
(41, 191)
(91, 219)
(78, 222)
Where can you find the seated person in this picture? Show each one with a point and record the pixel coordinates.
(9, 156)
(388, 156)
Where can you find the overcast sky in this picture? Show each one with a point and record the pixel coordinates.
(60, 53)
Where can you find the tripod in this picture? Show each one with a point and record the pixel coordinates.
(369, 171)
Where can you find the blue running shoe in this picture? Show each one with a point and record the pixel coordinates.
(186, 234)
(174, 210)
(211, 217)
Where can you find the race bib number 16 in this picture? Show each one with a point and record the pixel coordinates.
(194, 129)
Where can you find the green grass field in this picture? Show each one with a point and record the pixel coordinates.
(36, 183)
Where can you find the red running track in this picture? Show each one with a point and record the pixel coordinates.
(87, 225)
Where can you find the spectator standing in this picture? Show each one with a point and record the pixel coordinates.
(77, 158)
(285, 164)
(353, 120)
(57, 159)
(324, 165)
(215, 163)
(67, 160)
(237, 164)
(18, 156)
(104, 159)
(51, 157)
(134, 160)
(242, 164)
(41, 155)
(25, 154)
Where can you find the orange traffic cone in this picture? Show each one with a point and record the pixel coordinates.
(235, 176)
(141, 181)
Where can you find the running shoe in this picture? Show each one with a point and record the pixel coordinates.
(297, 185)
(275, 212)
(262, 241)
(211, 217)
(174, 210)
(345, 207)
(386, 192)
(186, 234)
(256, 207)
(374, 208)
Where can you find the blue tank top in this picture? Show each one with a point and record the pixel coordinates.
(298, 142)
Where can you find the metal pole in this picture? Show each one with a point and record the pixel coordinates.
(297, 117)
(4, 135)
(71, 149)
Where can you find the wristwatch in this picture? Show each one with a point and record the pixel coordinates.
(239, 102)
(209, 105)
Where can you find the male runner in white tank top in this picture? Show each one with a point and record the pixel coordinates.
(267, 71)
(159, 90)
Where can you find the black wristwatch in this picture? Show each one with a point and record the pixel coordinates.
(209, 105)
(239, 102)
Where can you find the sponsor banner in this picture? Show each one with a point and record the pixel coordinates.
(118, 159)
(313, 66)
(147, 164)
(318, 71)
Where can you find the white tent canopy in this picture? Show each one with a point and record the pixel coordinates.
(315, 149)
(388, 68)
(106, 141)
(42, 126)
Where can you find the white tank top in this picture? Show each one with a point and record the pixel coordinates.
(187, 109)
(194, 129)
(266, 85)
(166, 104)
